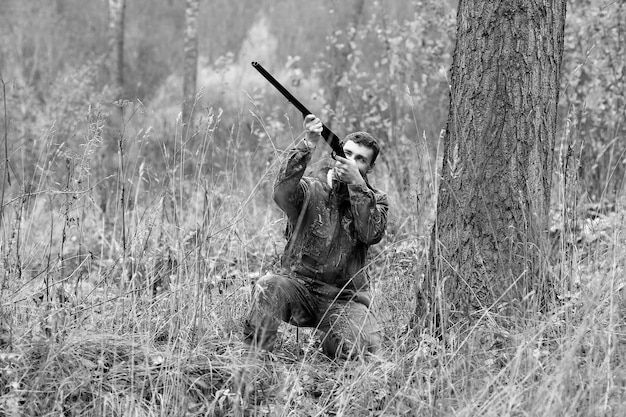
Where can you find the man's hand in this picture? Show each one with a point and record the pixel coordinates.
(313, 127)
(346, 170)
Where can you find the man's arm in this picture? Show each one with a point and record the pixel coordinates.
(369, 209)
(289, 189)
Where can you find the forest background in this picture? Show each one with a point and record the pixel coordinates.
(128, 247)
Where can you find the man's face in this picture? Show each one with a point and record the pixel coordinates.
(360, 154)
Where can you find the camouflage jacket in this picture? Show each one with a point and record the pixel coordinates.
(329, 228)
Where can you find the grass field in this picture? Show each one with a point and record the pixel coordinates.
(123, 295)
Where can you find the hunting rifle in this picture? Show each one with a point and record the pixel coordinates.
(333, 140)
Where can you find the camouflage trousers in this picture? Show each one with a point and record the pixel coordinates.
(349, 329)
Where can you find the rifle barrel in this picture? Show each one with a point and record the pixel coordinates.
(305, 112)
(331, 138)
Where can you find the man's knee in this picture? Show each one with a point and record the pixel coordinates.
(266, 289)
(353, 332)
(261, 324)
(271, 282)
(343, 346)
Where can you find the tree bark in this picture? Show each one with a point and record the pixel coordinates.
(116, 43)
(487, 244)
(190, 64)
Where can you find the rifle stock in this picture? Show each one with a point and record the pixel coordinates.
(331, 138)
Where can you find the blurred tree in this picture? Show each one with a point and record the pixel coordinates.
(393, 86)
(116, 43)
(595, 96)
(494, 194)
(342, 49)
(190, 71)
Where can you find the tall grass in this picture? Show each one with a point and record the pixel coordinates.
(128, 299)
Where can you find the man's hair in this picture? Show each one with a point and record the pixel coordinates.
(367, 140)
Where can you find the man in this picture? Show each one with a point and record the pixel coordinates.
(332, 221)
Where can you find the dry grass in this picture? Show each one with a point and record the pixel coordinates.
(136, 311)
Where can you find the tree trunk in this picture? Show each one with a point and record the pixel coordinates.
(190, 65)
(116, 43)
(494, 196)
